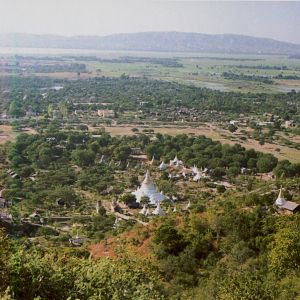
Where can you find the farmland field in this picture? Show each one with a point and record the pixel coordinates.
(203, 70)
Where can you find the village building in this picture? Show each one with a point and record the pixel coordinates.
(77, 240)
(6, 217)
(2, 203)
(289, 124)
(106, 113)
(263, 124)
(234, 122)
(148, 189)
(30, 113)
(136, 151)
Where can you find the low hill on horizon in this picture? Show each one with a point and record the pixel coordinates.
(157, 42)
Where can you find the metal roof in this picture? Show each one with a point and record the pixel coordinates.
(290, 205)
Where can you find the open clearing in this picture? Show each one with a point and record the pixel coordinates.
(7, 134)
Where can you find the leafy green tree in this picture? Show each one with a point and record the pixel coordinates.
(83, 157)
(128, 198)
(232, 128)
(134, 181)
(285, 251)
(63, 109)
(221, 188)
(50, 110)
(122, 153)
(266, 163)
(145, 200)
(15, 109)
(4, 261)
(169, 239)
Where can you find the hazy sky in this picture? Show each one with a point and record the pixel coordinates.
(279, 20)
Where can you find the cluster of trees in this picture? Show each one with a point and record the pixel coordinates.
(204, 152)
(126, 93)
(288, 77)
(52, 68)
(55, 165)
(34, 273)
(261, 67)
(230, 254)
(61, 162)
(261, 79)
(286, 169)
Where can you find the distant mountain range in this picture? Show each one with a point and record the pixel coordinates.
(155, 41)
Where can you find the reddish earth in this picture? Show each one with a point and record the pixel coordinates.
(137, 240)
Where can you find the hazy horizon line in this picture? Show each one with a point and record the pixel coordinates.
(150, 31)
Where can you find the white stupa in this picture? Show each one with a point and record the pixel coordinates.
(195, 169)
(148, 189)
(143, 210)
(158, 210)
(186, 172)
(152, 160)
(148, 213)
(117, 223)
(280, 201)
(188, 205)
(176, 162)
(198, 176)
(168, 210)
(162, 166)
(102, 161)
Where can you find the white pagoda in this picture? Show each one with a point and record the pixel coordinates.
(195, 169)
(188, 205)
(102, 160)
(280, 201)
(197, 177)
(158, 210)
(176, 162)
(143, 210)
(162, 166)
(152, 160)
(148, 189)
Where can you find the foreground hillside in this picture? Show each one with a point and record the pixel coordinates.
(217, 243)
(234, 248)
